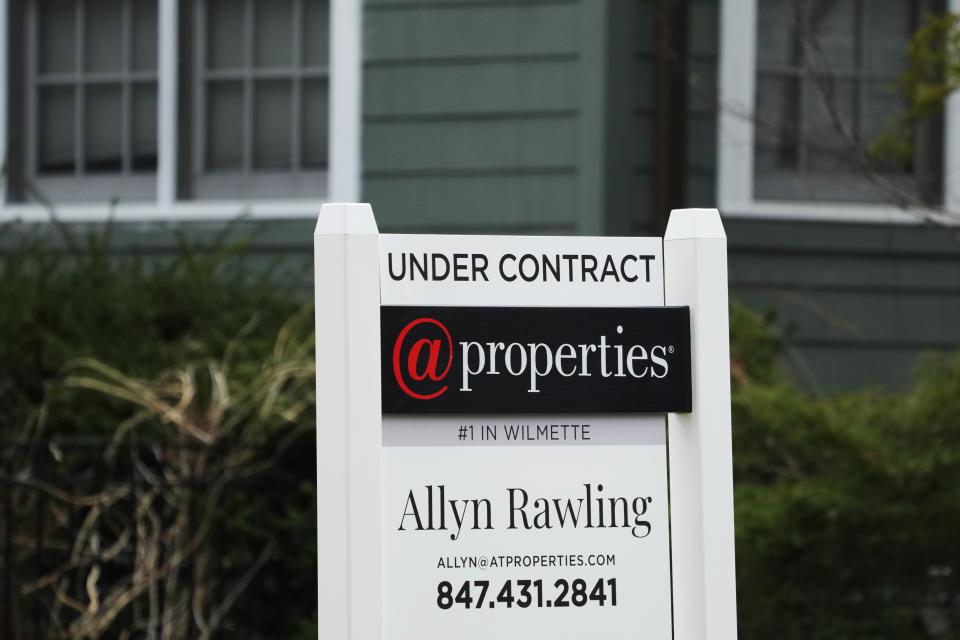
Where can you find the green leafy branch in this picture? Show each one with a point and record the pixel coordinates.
(932, 74)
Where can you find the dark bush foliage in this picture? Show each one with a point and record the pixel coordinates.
(65, 296)
(847, 507)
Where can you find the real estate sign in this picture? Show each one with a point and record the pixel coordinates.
(492, 438)
(523, 489)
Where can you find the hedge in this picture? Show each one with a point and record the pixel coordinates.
(847, 506)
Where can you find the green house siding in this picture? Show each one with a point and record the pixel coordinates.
(857, 303)
(484, 116)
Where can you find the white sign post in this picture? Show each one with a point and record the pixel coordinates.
(491, 441)
(701, 473)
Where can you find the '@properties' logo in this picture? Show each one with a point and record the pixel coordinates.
(421, 349)
(527, 359)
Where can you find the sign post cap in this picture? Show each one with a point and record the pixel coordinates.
(689, 224)
(350, 218)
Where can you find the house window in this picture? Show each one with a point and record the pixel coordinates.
(261, 94)
(796, 129)
(90, 99)
(823, 93)
(178, 108)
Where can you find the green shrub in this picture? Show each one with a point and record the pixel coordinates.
(77, 317)
(847, 508)
(64, 296)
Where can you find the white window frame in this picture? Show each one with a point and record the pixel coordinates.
(343, 174)
(735, 139)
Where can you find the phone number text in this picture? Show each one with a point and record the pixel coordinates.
(477, 594)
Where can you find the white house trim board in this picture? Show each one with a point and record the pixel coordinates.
(346, 51)
(951, 144)
(180, 211)
(167, 103)
(824, 212)
(735, 138)
(738, 46)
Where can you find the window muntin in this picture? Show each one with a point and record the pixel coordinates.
(822, 94)
(261, 94)
(90, 98)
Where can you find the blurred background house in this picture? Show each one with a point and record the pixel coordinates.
(543, 117)
(165, 489)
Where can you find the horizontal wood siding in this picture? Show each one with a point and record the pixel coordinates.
(472, 115)
(858, 304)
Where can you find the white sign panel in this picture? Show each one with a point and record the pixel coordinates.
(517, 525)
(507, 527)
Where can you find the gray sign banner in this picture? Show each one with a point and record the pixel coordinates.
(536, 430)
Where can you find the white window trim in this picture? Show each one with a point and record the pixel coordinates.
(343, 178)
(736, 88)
(4, 88)
(951, 143)
(179, 211)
